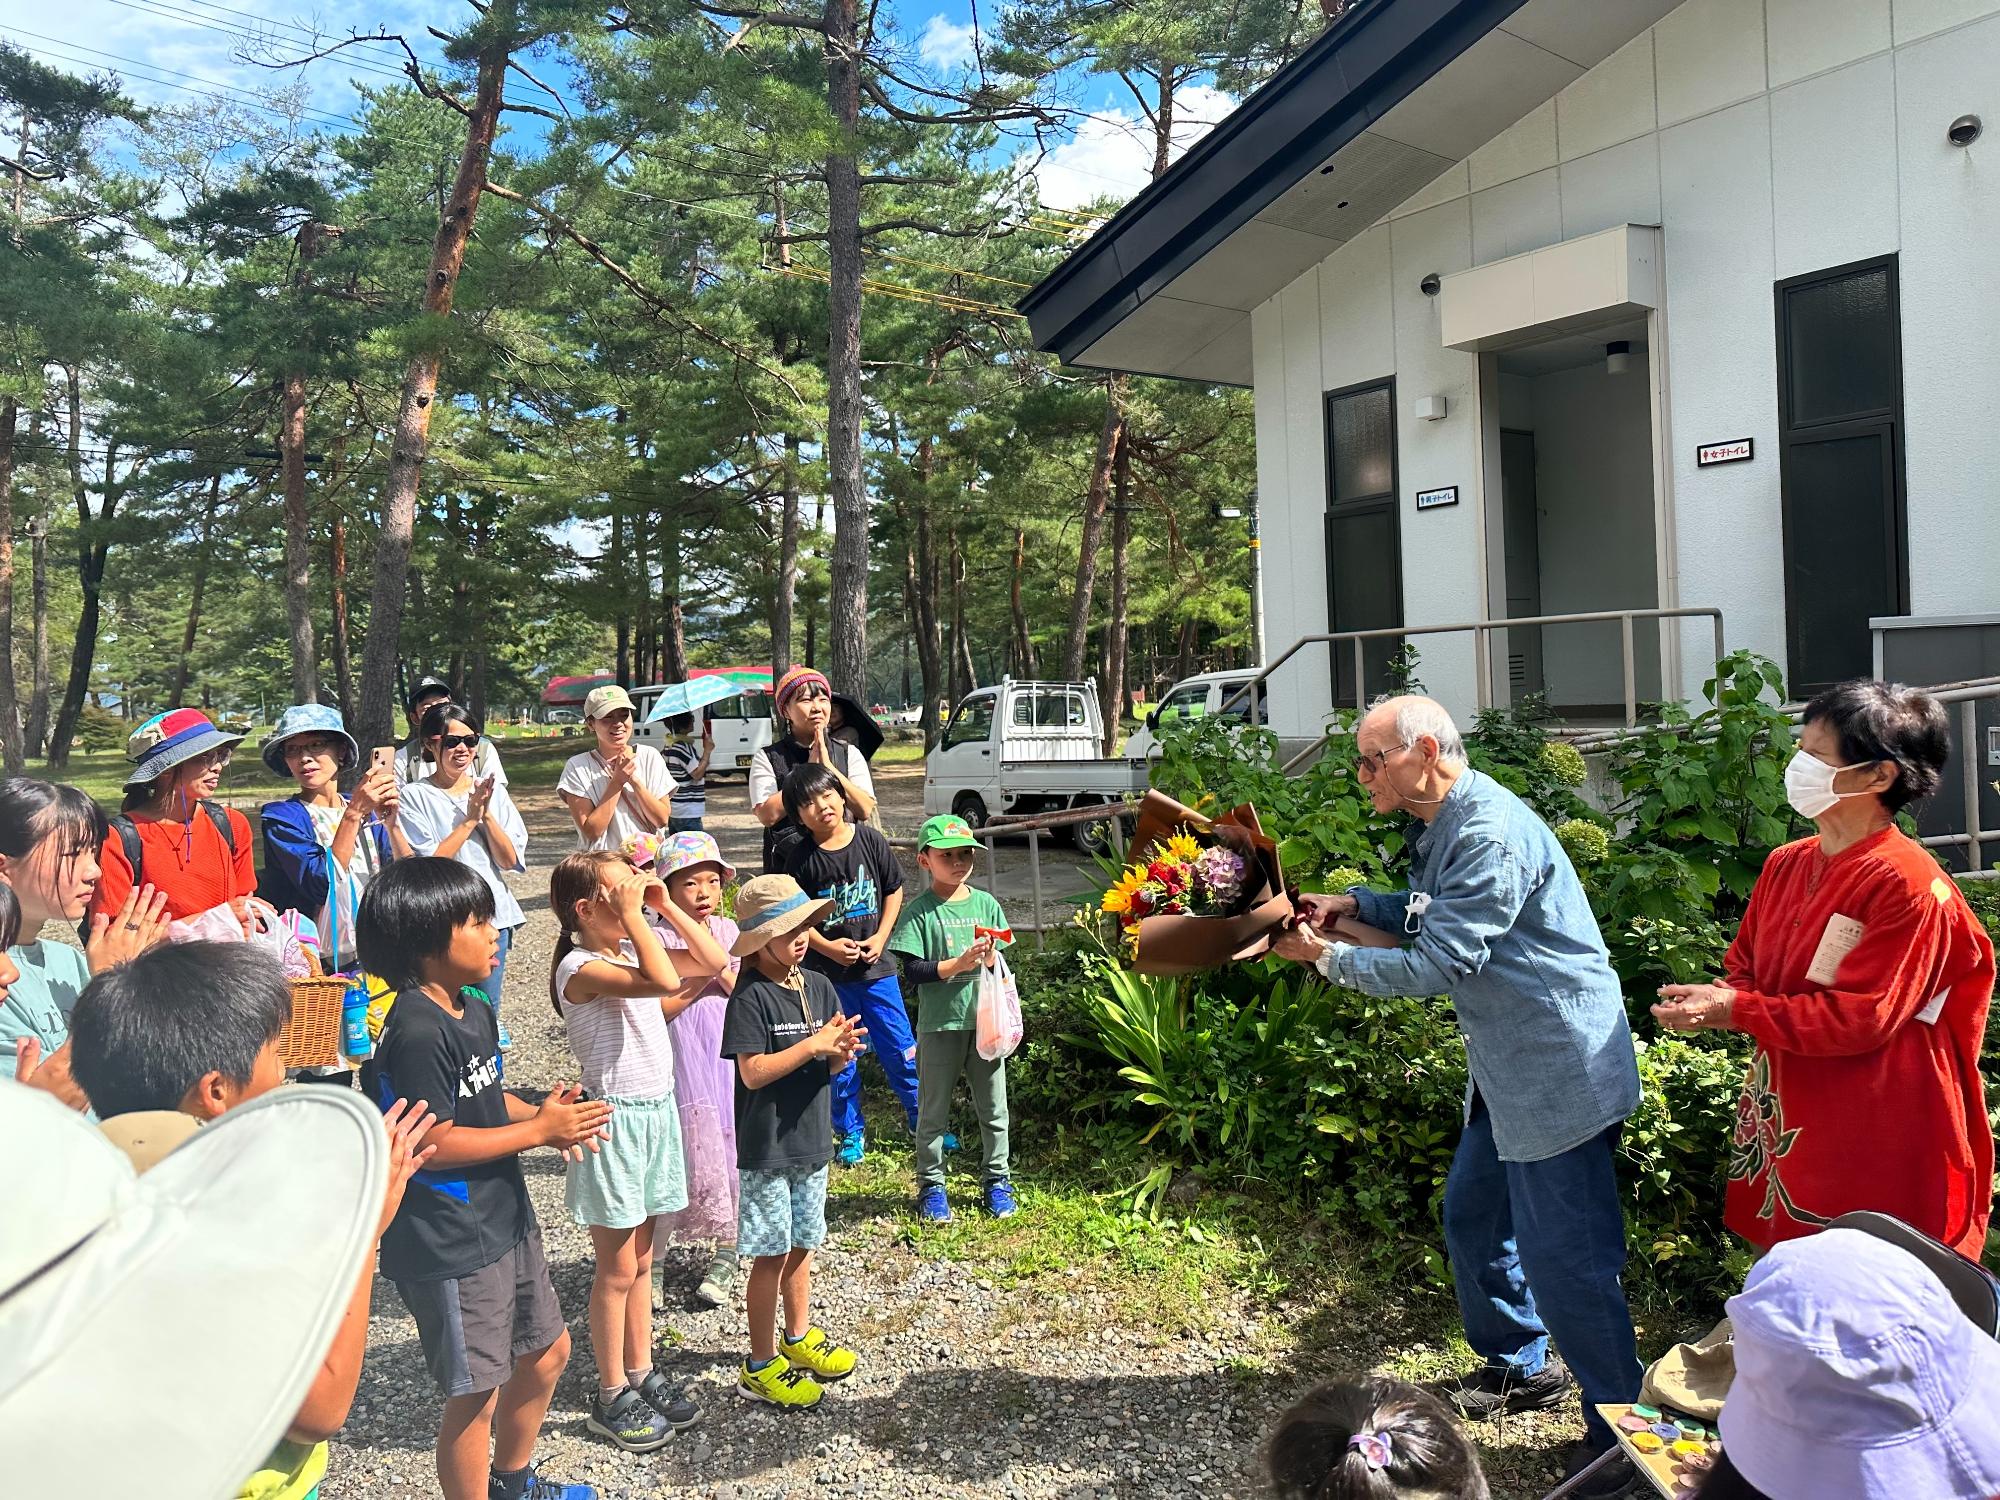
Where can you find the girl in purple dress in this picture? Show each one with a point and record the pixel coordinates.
(704, 1080)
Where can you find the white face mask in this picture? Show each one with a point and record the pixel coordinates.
(1809, 785)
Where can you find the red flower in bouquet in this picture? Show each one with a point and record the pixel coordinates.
(1171, 876)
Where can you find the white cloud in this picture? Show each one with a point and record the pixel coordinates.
(1111, 153)
(946, 44)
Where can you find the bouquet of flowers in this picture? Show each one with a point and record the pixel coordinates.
(1203, 891)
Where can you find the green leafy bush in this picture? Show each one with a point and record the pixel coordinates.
(1586, 843)
(100, 729)
(1320, 818)
(1512, 745)
(1708, 788)
(1675, 1149)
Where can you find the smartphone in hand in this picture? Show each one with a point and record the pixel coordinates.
(382, 758)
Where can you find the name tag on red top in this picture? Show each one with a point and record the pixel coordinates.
(1839, 940)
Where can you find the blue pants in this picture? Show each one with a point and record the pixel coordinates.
(490, 986)
(879, 1004)
(1536, 1249)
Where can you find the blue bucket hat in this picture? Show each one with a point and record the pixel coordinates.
(306, 718)
(167, 739)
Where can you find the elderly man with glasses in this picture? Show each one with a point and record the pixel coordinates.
(1496, 918)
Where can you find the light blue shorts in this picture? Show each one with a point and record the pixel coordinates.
(780, 1212)
(638, 1170)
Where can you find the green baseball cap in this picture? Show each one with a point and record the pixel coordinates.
(946, 831)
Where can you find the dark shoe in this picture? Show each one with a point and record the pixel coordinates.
(630, 1421)
(1615, 1479)
(528, 1485)
(674, 1405)
(1489, 1390)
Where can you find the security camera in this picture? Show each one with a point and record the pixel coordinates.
(1430, 285)
(1964, 130)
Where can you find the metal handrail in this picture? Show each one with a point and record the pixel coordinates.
(1480, 630)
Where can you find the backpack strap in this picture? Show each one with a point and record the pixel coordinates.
(129, 841)
(219, 816)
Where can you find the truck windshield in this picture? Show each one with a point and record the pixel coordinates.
(972, 724)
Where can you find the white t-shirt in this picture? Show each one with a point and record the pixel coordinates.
(428, 817)
(585, 776)
(847, 759)
(622, 1045)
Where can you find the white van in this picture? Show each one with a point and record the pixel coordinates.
(1197, 698)
(743, 726)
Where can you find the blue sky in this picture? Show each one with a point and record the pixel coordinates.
(182, 51)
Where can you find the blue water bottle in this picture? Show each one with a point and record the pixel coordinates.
(354, 1020)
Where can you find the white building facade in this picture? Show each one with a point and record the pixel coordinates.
(1698, 305)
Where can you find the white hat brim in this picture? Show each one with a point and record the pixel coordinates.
(213, 1285)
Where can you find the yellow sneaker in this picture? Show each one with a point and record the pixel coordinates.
(819, 1354)
(780, 1383)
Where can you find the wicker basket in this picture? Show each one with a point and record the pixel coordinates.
(311, 1039)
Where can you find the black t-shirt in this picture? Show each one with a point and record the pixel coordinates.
(453, 1220)
(788, 1123)
(857, 879)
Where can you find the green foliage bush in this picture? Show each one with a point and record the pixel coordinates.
(100, 729)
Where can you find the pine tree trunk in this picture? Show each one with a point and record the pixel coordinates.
(91, 548)
(1024, 644)
(920, 593)
(37, 735)
(1095, 501)
(343, 666)
(204, 548)
(962, 667)
(413, 417)
(847, 597)
(10, 708)
(298, 518)
(673, 618)
(642, 598)
(784, 597)
(1115, 632)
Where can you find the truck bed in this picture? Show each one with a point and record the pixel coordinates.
(1109, 778)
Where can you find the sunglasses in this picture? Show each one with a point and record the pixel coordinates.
(457, 741)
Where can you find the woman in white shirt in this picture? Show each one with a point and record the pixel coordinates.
(618, 789)
(455, 815)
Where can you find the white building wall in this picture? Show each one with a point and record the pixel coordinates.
(1770, 138)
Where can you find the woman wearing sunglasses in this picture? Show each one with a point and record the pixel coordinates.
(456, 814)
(171, 833)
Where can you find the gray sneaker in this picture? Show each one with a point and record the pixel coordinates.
(680, 1413)
(718, 1280)
(630, 1421)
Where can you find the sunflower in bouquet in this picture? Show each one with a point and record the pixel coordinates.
(1182, 876)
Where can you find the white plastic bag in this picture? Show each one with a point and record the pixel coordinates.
(220, 924)
(997, 1028)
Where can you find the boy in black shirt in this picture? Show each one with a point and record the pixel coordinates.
(852, 867)
(464, 1249)
(785, 1030)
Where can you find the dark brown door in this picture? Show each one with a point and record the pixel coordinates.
(1364, 561)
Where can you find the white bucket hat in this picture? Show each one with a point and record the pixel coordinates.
(1857, 1375)
(214, 1285)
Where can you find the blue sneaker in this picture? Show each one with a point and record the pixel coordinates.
(528, 1485)
(506, 1036)
(932, 1206)
(1000, 1200)
(852, 1149)
(948, 1143)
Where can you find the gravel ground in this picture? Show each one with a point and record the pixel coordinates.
(1075, 1382)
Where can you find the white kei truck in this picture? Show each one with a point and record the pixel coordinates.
(1029, 747)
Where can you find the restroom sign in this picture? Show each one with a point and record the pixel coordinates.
(1432, 499)
(1735, 451)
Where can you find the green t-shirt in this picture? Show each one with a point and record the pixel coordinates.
(937, 930)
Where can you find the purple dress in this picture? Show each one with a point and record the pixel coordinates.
(705, 1086)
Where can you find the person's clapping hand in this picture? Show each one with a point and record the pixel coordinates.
(573, 1124)
(136, 926)
(407, 1125)
(50, 1074)
(480, 801)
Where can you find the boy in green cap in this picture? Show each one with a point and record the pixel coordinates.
(944, 937)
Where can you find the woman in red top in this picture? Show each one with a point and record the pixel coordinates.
(1864, 978)
(184, 852)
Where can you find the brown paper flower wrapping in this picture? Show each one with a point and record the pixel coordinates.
(1181, 944)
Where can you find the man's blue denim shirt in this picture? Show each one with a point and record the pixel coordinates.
(1508, 934)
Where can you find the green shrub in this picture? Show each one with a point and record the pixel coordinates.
(100, 729)
(1320, 818)
(1512, 745)
(1586, 843)
(1675, 1149)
